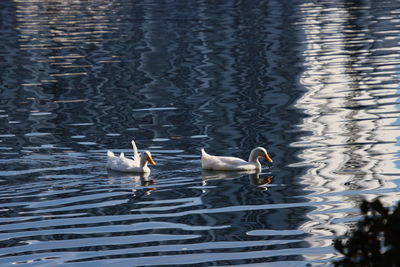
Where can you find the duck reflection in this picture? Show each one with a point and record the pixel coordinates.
(255, 177)
(138, 181)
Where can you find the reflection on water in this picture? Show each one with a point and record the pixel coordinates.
(140, 183)
(255, 178)
(314, 82)
(351, 80)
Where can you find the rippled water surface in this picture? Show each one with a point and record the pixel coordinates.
(313, 81)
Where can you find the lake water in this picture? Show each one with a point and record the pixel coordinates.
(315, 82)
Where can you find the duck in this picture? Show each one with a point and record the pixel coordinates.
(223, 163)
(138, 164)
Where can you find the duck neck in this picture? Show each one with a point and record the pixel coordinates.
(143, 162)
(253, 159)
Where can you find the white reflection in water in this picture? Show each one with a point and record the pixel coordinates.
(138, 182)
(352, 145)
(255, 177)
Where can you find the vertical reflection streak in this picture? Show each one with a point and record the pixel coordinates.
(351, 147)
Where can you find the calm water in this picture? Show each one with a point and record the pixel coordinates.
(313, 81)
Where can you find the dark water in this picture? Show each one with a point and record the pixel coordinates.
(313, 81)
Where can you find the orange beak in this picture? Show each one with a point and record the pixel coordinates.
(150, 159)
(268, 158)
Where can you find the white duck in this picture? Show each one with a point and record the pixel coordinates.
(122, 164)
(218, 163)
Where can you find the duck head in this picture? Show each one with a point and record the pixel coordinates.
(147, 157)
(260, 152)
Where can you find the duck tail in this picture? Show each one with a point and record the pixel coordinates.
(204, 159)
(136, 155)
(204, 154)
(110, 154)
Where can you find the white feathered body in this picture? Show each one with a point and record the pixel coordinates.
(123, 164)
(223, 163)
(138, 163)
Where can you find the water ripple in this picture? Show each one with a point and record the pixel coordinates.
(314, 82)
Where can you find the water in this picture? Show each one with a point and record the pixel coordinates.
(314, 82)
